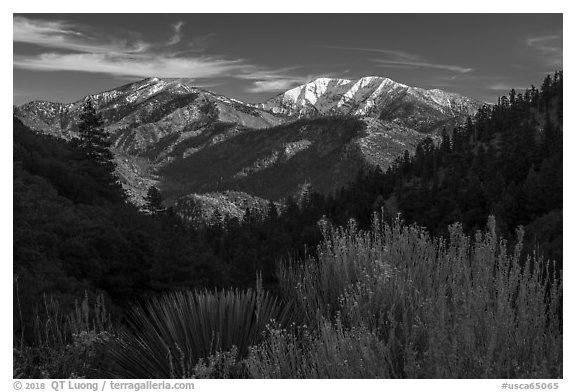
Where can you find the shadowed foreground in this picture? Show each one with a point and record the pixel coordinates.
(391, 302)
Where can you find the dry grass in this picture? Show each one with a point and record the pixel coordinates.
(455, 308)
(66, 345)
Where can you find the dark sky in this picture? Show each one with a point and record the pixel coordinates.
(253, 57)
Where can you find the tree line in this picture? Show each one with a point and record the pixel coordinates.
(74, 231)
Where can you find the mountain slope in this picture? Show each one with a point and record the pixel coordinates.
(185, 140)
(139, 114)
(147, 121)
(417, 108)
(271, 163)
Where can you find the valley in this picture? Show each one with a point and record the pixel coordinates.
(188, 141)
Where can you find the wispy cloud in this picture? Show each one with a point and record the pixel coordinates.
(399, 66)
(505, 87)
(420, 64)
(487, 81)
(272, 85)
(64, 35)
(46, 33)
(539, 41)
(267, 80)
(135, 66)
(283, 79)
(177, 36)
(549, 47)
(400, 59)
(396, 54)
(110, 55)
(70, 47)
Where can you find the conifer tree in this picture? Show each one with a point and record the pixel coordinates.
(304, 194)
(445, 146)
(93, 139)
(153, 200)
(95, 144)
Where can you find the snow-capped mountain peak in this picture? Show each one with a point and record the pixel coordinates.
(373, 96)
(161, 125)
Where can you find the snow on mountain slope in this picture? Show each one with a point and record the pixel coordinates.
(373, 96)
(187, 140)
(153, 120)
(149, 103)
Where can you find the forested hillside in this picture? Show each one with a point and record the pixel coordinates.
(505, 162)
(73, 232)
(76, 235)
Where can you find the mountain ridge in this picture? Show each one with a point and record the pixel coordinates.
(372, 96)
(159, 129)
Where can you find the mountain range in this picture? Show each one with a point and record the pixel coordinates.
(191, 142)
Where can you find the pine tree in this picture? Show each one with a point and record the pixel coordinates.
(93, 139)
(95, 145)
(547, 91)
(154, 200)
(445, 145)
(304, 194)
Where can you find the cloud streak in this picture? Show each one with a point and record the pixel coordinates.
(265, 80)
(45, 33)
(63, 35)
(396, 54)
(504, 86)
(130, 66)
(112, 56)
(549, 47)
(272, 85)
(177, 37)
(278, 80)
(539, 41)
(419, 64)
(140, 59)
(400, 59)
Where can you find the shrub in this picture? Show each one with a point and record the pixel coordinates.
(444, 308)
(348, 261)
(69, 345)
(329, 352)
(221, 365)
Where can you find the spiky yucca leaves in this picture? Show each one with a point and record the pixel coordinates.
(172, 333)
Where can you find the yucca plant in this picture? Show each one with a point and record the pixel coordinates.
(170, 334)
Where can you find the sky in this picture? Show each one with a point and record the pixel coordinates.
(253, 57)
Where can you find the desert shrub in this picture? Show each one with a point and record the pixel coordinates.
(445, 308)
(66, 345)
(282, 354)
(221, 365)
(329, 352)
(170, 334)
(347, 261)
